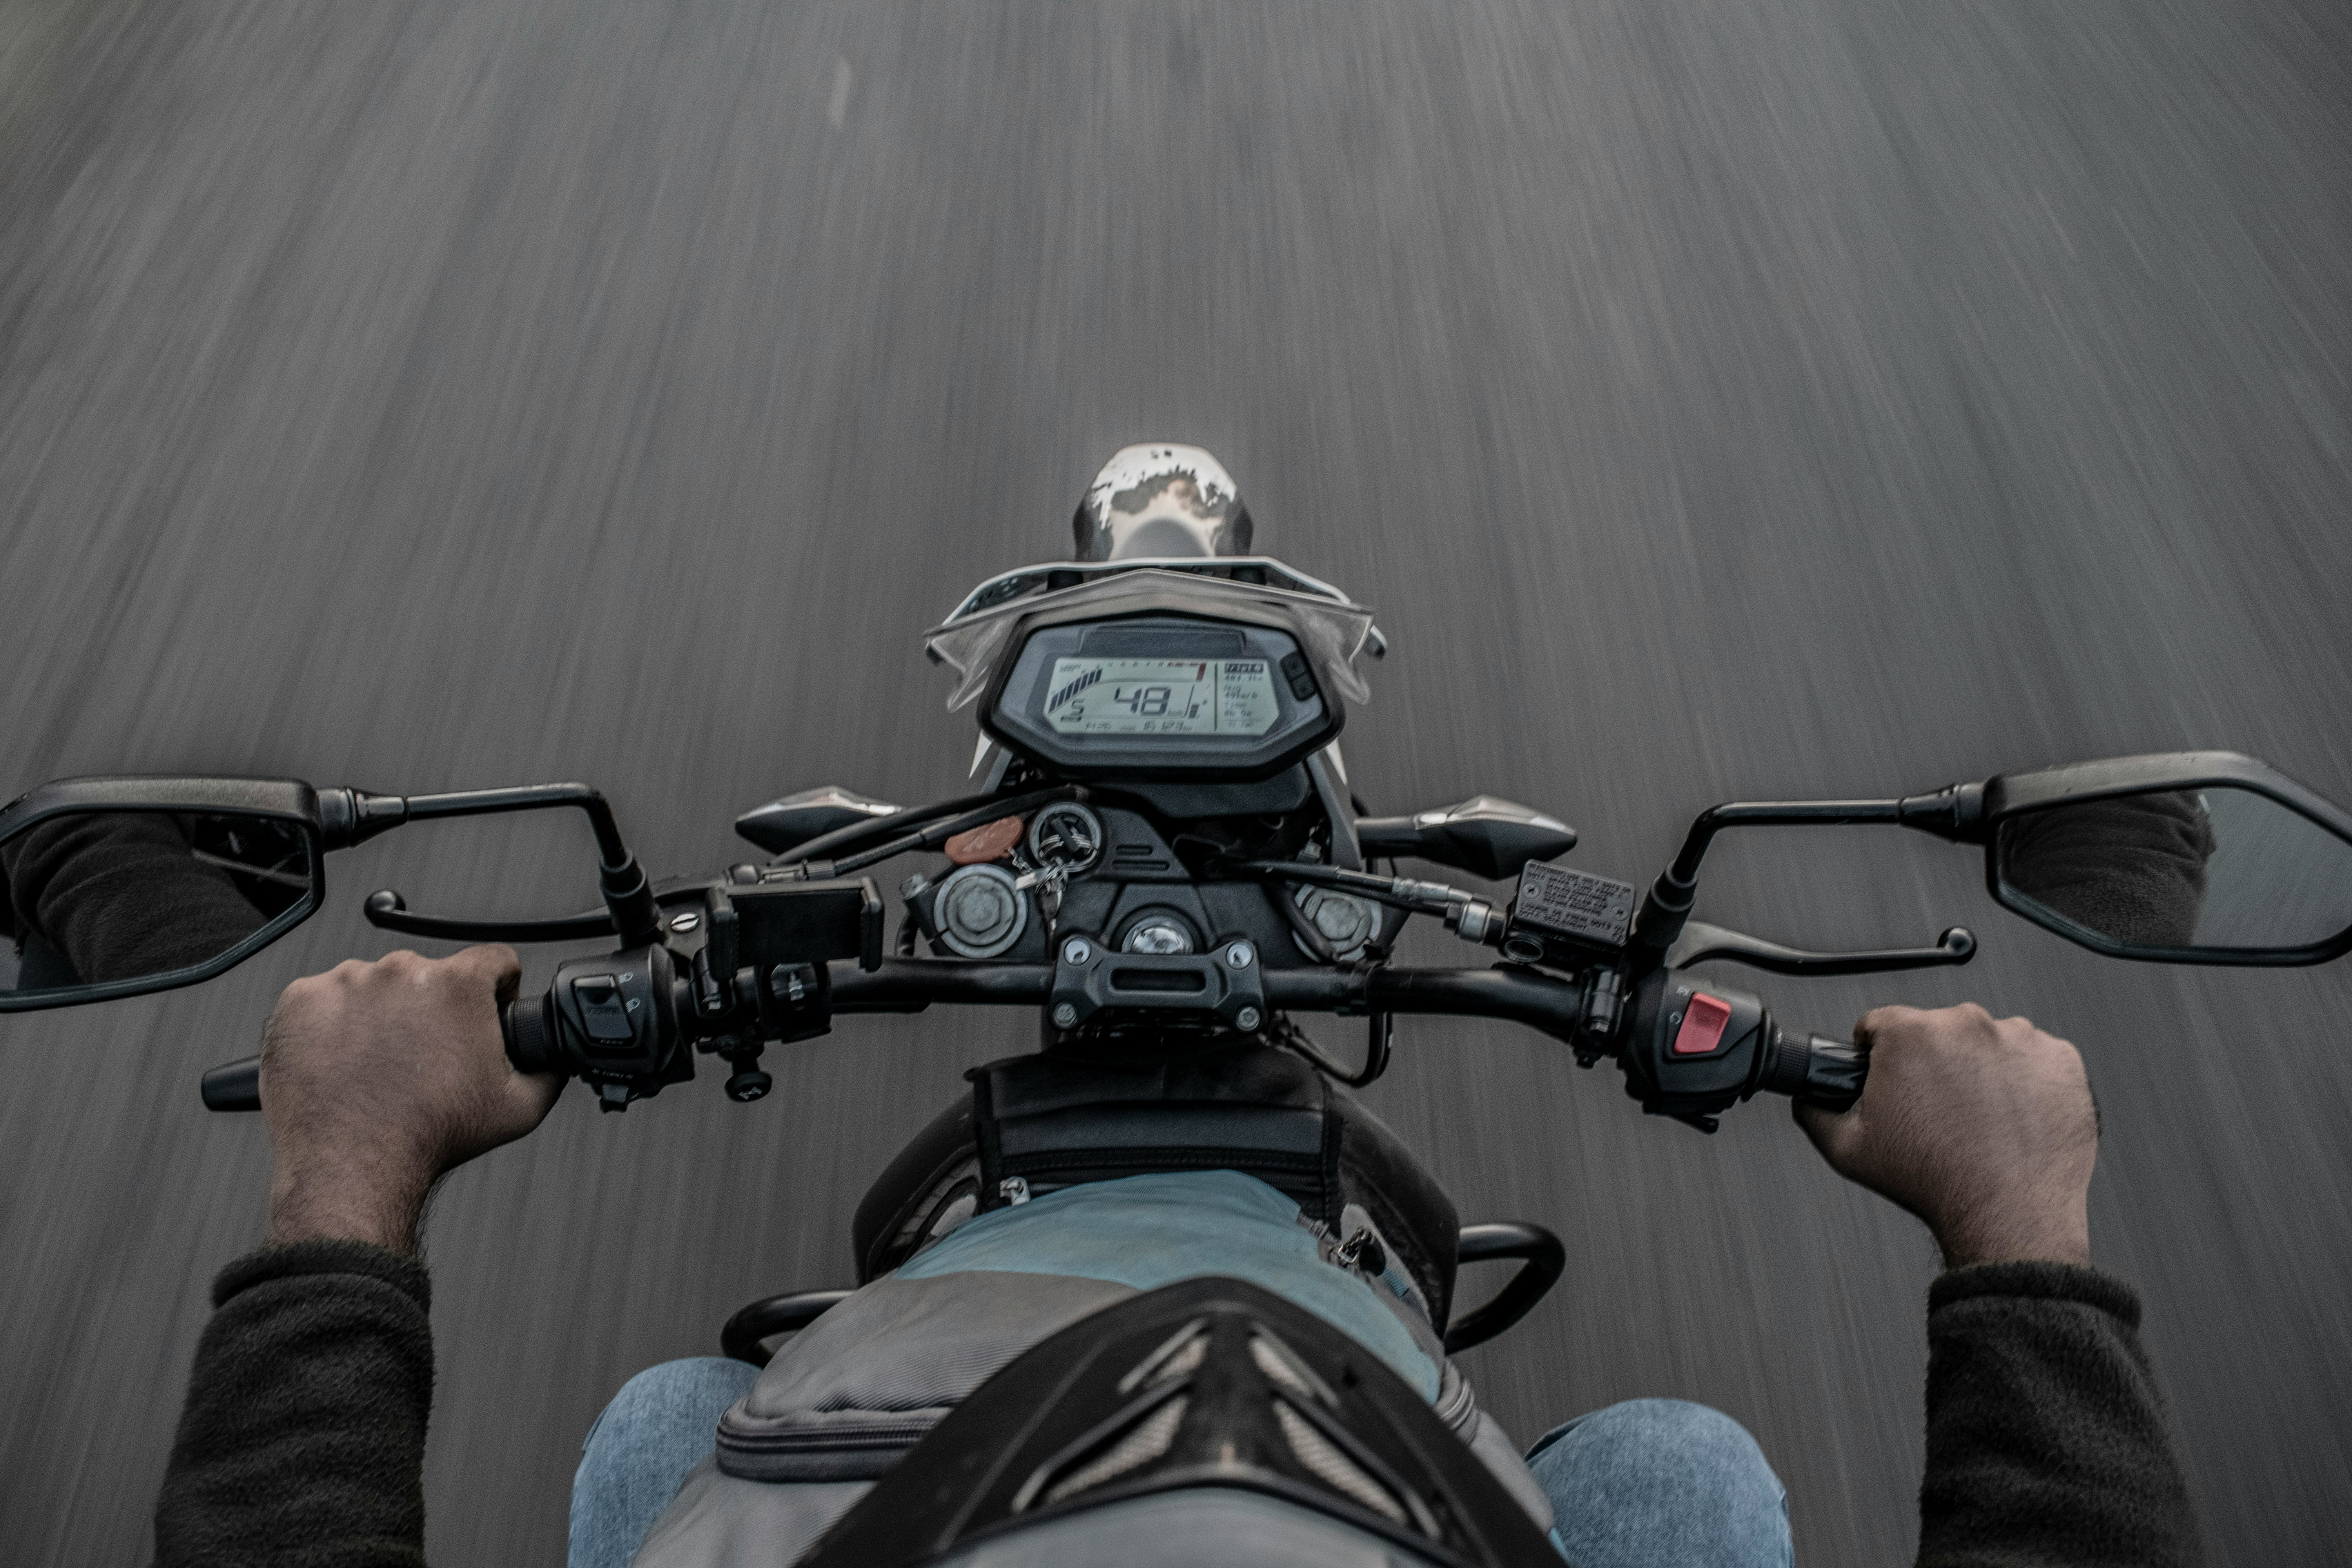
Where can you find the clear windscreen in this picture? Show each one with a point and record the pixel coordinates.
(1332, 632)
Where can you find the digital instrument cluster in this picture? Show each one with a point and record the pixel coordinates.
(1161, 696)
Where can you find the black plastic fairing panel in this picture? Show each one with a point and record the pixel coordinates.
(1182, 801)
(1135, 852)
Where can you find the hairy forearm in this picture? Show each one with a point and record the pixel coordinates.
(303, 1436)
(2048, 1444)
(354, 1193)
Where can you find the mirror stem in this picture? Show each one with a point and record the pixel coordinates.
(348, 816)
(1955, 811)
(1667, 905)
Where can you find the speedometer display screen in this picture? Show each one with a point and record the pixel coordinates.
(1162, 697)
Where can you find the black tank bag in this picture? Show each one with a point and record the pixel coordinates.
(1035, 1125)
(1211, 1383)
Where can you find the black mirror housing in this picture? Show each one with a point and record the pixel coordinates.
(2174, 857)
(243, 859)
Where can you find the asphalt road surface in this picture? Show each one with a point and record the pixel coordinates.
(1717, 398)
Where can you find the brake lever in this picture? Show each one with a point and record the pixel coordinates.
(1700, 943)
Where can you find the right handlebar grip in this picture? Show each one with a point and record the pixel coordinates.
(531, 1044)
(1834, 1073)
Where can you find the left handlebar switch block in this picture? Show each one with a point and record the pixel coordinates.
(612, 1022)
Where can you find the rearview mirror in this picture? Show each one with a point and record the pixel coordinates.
(115, 887)
(2200, 858)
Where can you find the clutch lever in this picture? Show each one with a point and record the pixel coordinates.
(388, 910)
(1700, 942)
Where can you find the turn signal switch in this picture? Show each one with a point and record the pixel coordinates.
(613, 1022)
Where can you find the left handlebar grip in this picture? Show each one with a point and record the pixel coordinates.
(234, 1086)
(531, 1044)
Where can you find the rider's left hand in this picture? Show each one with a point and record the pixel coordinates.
(376, 1078)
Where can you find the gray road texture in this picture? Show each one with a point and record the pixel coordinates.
(1717, 397)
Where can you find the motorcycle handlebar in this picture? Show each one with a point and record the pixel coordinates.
(234, 1086)
(1815, 1068)
(1521, 996)
(911, 984)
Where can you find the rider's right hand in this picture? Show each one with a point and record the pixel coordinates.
(1984, 1128)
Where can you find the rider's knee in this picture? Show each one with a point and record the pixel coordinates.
(688, 1393)
(1659, 1470)
(663, 1423)
(1664, 1428)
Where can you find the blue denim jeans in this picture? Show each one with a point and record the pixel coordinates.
(1657, 1481)
(1645, 1484)
(663, 1423)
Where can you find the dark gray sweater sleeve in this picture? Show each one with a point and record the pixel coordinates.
(302, 1441)
(303, 1437)
(2048, 1445)
(123, 897)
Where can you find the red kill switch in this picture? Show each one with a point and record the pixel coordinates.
(1703, 1021)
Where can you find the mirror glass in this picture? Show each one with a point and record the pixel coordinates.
(2219, 867)
(109, 898)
